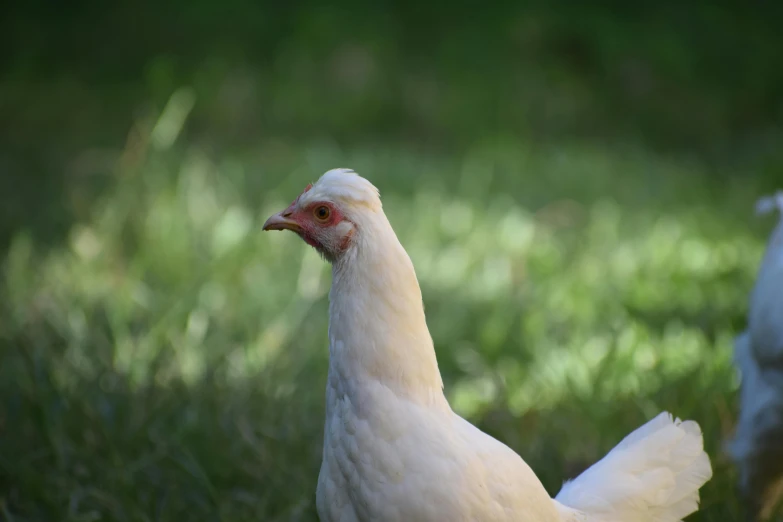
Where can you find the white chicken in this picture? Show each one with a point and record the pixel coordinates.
(757, 447)
(393, 448)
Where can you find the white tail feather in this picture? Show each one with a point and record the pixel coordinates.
(653, 475)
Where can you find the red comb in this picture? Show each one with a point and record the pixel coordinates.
(308, 187)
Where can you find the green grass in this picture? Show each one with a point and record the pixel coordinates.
(168, 361)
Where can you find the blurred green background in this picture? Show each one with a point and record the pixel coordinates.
(575, 185)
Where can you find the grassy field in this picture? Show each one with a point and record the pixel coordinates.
(575, 188)
(168, 361)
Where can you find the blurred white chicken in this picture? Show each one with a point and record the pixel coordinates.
(757, 447)
(395, 451)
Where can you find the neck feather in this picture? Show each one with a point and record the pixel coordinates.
(377, 328)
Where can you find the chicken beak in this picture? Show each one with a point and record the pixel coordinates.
(281, 221)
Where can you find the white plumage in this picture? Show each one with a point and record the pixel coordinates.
(393, 448)
(757, 446)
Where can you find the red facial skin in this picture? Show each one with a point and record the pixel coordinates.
(314, 231)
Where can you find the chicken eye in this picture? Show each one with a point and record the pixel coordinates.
(322, 213)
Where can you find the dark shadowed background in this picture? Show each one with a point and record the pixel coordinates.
(574, 183)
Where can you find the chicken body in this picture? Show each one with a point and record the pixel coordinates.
(757, 447)
(393, 448)
(388, 459)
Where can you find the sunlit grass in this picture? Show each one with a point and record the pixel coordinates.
(169, 361)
